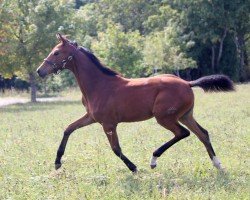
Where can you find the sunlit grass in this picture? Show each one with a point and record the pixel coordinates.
(30, 135)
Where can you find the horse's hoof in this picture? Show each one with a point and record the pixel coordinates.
(135, 171)
(57, 166)
(153, 166)
(217, 163)
(153, 162)
(223, 170)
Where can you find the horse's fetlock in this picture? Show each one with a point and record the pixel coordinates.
(132, 167)
(117, 151)
(60, 153)
(156, 154)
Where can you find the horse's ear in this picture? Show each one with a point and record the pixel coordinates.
(75, 43)
(61, 38)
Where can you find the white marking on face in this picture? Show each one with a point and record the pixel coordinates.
(153, 161)
(216, 162)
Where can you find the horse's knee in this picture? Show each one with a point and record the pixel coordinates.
(109, 128)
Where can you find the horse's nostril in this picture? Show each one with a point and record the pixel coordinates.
(40, 73)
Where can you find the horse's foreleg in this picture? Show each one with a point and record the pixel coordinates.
(114, 143)
(84, 121)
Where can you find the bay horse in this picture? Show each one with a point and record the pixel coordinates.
(110, 98)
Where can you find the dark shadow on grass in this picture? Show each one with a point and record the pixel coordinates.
(30, 107)
(213, 181)
(143, 182)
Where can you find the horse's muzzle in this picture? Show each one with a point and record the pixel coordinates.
(40, 73)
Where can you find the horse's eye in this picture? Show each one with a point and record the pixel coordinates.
(56, 53)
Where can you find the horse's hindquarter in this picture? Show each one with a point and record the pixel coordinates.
(140, 99)
(174, 99)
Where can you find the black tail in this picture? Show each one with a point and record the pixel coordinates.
(214, 83)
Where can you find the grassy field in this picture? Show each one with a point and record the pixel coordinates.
(30, 135)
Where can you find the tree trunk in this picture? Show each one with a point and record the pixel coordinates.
(177, 72)
(243, 58)
(221, 47)
(188, 75)
(32, 87)
(213, 59)
(241, 54)
(45, 88)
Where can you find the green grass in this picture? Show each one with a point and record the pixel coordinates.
(30, 135)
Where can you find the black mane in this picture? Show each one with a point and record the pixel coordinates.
(97, 62)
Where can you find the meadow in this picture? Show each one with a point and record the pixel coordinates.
(30, 135)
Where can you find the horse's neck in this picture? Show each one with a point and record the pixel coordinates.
(90, 79)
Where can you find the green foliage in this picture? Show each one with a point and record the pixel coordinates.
(119, 50)
(164, 17)
(86, 21)
(163, 50)
(130, 14)
(33, 26)
(57, 83)
(216, 25)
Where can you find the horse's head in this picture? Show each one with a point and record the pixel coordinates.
(59, 58)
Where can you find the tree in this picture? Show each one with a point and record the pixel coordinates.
(130, 14)
(119, 50)
(163, 17)
(163, 50)
(6, 41)
(215, 26)
(33, 25)
(239, 15)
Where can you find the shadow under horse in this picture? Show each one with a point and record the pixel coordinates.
(110, 98)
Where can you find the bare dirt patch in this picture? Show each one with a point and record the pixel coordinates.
(12, 100)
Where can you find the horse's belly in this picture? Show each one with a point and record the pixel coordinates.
(135, 117)
(134, 112)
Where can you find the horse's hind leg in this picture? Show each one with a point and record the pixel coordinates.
(179, 131)
(203, 136)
